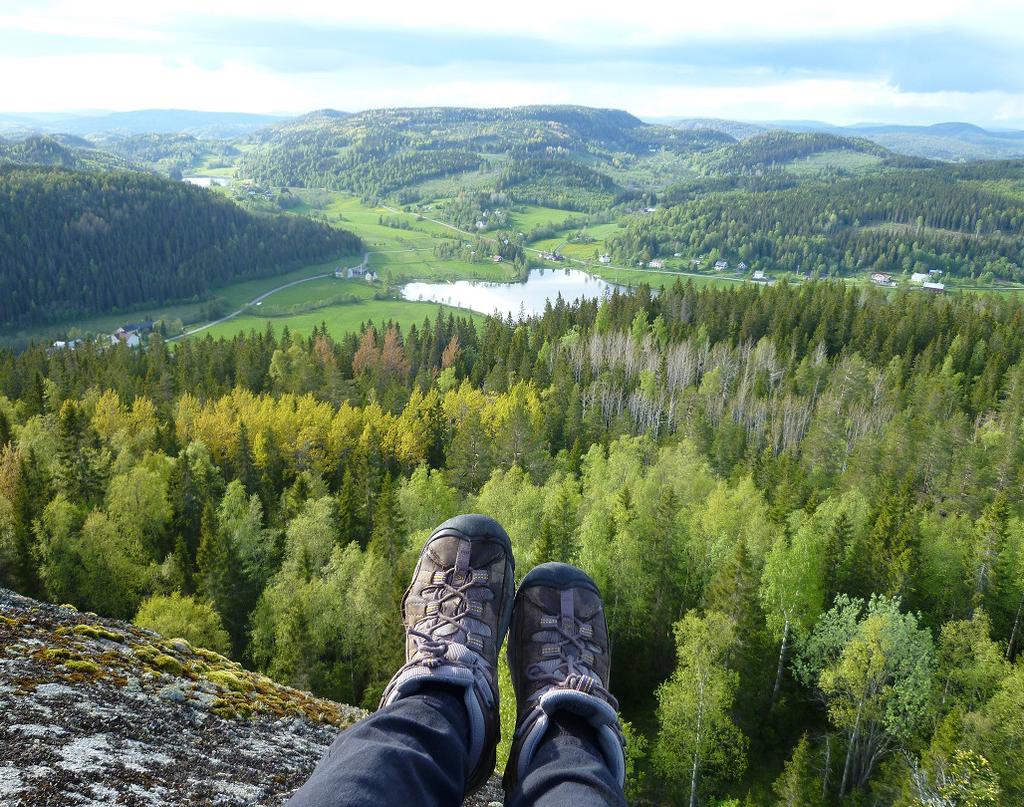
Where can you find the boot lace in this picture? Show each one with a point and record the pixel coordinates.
(568, 656)
(451, 600)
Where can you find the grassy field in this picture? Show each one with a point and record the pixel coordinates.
(347, 211)
(398, 267)
(339, 319)
(654, 278)
(852, 162)
(231, 297)
(527, 217)
(446, 187)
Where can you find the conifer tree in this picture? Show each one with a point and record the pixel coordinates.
(799, 783)
(215, 575)
(6, 431)
(243, 465)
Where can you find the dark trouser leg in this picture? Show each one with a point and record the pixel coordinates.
(412, 753)
(568, 770)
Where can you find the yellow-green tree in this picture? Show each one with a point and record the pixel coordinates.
(698, 745)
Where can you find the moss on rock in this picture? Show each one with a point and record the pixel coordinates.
(167, 664)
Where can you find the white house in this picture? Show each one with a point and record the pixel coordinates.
(938, 288)
(656, 264)
(605, 259)
(881, 279)
(759, 275)
(918, 277)
(721, 265)
(497, 259)
(741, 266)
(121, 336)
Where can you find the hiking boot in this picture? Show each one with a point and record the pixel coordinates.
(558, 654)
(456, 613)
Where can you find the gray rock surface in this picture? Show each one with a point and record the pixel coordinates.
(98, 712)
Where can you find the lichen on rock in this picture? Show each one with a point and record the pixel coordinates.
(102, 712)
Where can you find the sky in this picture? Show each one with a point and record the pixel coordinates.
(878, 61)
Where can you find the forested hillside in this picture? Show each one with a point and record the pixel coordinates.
(803, 505)
(63, 152)
(766, 150)
(77, 243)
(385, 151)
(910, 220)
(170, 154)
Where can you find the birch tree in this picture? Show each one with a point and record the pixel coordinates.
(873, 667)
(698, 745)
(792, 589)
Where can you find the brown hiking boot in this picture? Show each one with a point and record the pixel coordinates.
(456, 614)
(558, 654)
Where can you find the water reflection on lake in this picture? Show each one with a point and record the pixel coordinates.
(206, 182)
(528, 296)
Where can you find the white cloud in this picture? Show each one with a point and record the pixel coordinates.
(139, 55)
(663, 21)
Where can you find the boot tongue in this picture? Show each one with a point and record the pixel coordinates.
(462, 563)
(568, 615)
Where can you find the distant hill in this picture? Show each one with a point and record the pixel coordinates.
(740, 130)
(386, 151)
(952, 142)
(64, 151)
(776, 148)
(171, 154)
(81, 243)
(941, 141)
(219, 125)
(947, 141)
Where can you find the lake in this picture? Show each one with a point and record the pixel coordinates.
(207, 182)
(527, 296)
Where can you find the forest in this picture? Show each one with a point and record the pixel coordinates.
(391, 151)
(901, 220)
(79, 243)
(170, 154)
(802, 504)
(804, 203)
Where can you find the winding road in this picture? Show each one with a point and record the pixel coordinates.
(257, 300)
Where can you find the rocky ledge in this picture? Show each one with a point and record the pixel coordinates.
(100, 712)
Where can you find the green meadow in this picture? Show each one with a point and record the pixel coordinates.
(339, 319)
